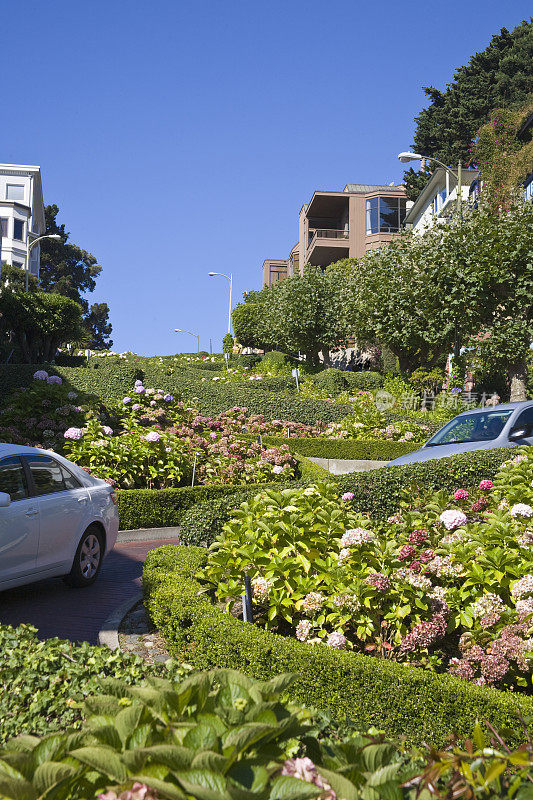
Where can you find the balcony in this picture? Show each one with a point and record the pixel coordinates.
(327, 245)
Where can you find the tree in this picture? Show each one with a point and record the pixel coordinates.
(296, 314)
(500, 75)
(71, 271)
(39, 322)
(424, 295)
(97, 322)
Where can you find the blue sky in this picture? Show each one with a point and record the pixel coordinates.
(183, 137)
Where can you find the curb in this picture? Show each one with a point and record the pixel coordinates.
(148, 534)
(108, 633)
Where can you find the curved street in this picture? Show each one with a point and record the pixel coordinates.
(78, 614)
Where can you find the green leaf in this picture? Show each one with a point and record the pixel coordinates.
(201, 737)
(50, 773)
(285, 787)
(103, 760)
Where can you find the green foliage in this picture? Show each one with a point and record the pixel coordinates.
(344, 448)
(97, 321)
(499, 75)
(38, 322)
(405, 701)
(331, 381)
(378, 492)
(364, 381)
(227, 343)
(43, 683)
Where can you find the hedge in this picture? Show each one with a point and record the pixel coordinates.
(160, 508)
(377, 492)
(107, 381)
(405, 701)
(344, 448)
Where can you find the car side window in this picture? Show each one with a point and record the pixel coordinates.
(70, 481)
(525, 419)
(12, 478)
(47, 475)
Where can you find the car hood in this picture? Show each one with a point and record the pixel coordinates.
(443, 450)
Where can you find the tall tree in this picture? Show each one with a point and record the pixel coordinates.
(97, 321)
(500, 75)
(71, 271)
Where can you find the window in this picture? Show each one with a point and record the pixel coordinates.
(525, 419)
(47, 475)
(70, 481)
(3, 226)
(18, 230)
(385, 214)
(15, 192)
(475, 427)
(438, 201)
(18, 264)
(12, 478)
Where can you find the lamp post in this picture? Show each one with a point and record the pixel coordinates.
(406, 157)
(29, 246)
(180, 330)
(230, 279)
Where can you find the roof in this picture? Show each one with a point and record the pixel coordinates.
(364, 188)
(500, 407)
(19, 449)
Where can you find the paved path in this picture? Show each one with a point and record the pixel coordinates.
(78, 614)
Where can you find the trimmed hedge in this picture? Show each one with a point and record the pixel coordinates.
(364, 380)
(407, 702)
(343, 448)
(161, 508)
(377, 492)
(107, 381)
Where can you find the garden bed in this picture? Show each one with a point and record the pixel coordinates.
(405, 701)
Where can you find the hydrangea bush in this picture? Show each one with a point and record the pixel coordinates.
(446, 583)
(161, 442)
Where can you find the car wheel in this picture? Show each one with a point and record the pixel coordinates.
(88, 559)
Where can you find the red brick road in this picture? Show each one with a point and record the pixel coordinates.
(78, 614)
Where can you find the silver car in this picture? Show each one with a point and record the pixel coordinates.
(505, 425)
(55, 519)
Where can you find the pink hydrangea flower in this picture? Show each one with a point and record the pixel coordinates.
(407, 551)
(277, 469)
(107, 430)
(153, 436)
(336, 640)
(136, 406)
(347, 496)
(486, 485)
(73, 433)
(460, 494)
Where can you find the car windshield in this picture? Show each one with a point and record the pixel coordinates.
(476, 427)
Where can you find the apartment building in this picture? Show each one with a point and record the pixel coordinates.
(347, 224)
(21, 215)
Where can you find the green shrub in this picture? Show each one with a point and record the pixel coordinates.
(161, 508)
(343, 448)
(202, 523)
(377, 492)
(366, 380)
(43, 682)
(246, 360)
(406, 702)
(275, 357)
(331, 381)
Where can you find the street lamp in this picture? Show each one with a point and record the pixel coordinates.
(406, 157)
(180, 330)
(29, 246)
(230, 279)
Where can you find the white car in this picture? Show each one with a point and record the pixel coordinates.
(55, 519)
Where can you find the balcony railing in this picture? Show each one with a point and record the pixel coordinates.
(326, 233)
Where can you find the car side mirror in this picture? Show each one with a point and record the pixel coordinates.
(519, 433)
(5, 500)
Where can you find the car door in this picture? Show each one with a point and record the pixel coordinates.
(524, 420)
(63, 510)
(19, 522)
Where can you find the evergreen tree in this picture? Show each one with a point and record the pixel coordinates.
(499, 76)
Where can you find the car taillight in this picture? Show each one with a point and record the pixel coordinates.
(113, 496)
